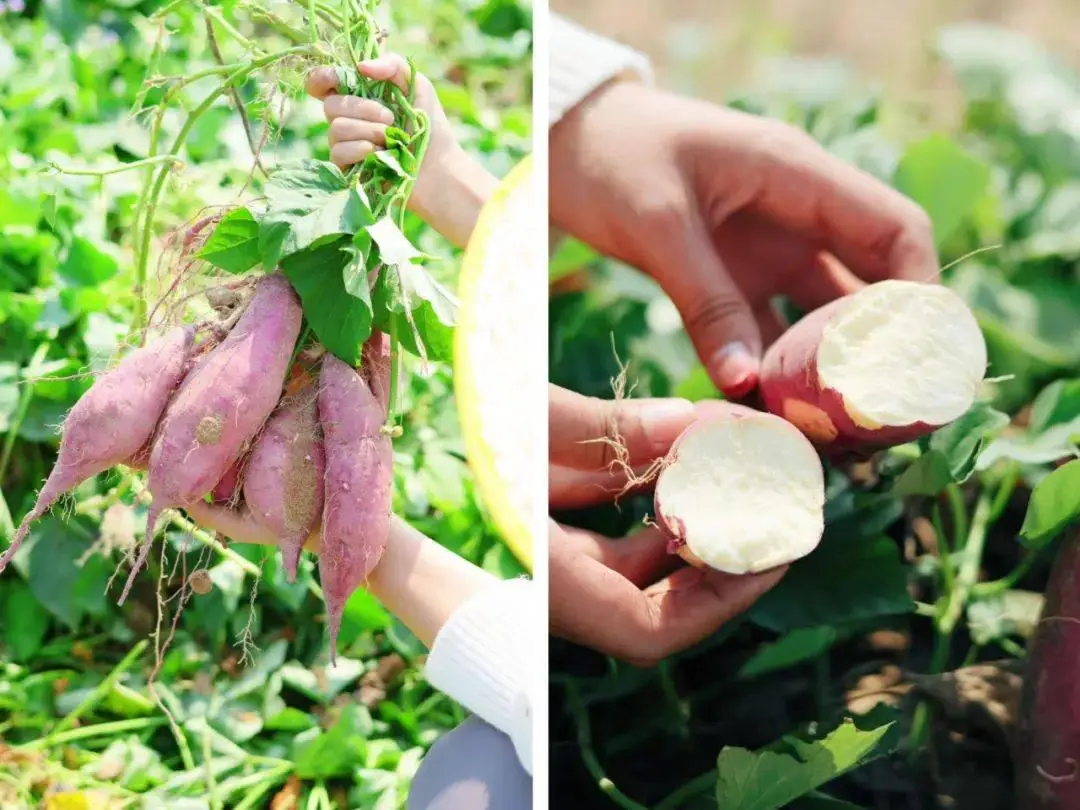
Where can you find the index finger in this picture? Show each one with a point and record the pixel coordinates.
(872, 228)
(236, 524)
(593, 605)
(322, 82)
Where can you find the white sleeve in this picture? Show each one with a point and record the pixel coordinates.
(582, 61)
(485, 658)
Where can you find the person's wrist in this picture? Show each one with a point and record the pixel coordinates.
(450, 192)
(566, 136)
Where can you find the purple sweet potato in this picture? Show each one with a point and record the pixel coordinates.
(112, 421)
(358, 479)
(283, 481)
(225, 490)
(222, 405)
(1047, 745)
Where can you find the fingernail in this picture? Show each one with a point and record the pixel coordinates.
(735, 370)
(662, 420)
(386, 116)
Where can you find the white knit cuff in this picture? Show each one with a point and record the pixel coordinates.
(582, 61)
(483, 656)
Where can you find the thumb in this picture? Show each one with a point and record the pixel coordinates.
(390, 67)
(716, 315)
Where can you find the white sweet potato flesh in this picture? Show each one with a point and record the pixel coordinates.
(883, 366)
(113, 420)
(742, 493)
(222, 404)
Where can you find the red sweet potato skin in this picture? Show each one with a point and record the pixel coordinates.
(358, 480)
(791, 389)
(225, 490)
(283, 482)
(227, 398)
(114, 420)
(1048, 733)
(222, 404)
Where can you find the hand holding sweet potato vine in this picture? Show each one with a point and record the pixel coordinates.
(725, 211)
(274, 393)
(450, 188)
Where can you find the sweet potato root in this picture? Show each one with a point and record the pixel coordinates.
(1048, 732)
(878, 368)
(222, 404)
(741, 492)
(358, 479)
(112, 421)
(225, 491)
(283, 481)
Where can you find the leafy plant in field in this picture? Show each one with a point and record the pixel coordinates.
(75, 709)
(934, 554)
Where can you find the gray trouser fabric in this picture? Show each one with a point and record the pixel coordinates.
(474, 767)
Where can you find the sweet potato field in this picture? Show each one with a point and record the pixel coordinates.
(154, 157)
(887, 668)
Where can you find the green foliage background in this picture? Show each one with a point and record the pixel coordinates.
(942, 546)
(75, 711)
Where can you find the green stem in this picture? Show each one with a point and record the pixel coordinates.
(957, 510)
(348, 21)
(101, 691)
(588, 754)
(150, 199)
(7, 525)
(123, 167)
(1005, 491)
(181, 522)
(97, 730)
(246, 565)
(1009, 581)
(704, 783)
(25, 398)
(162, 695)
(277, 23)
(211, 778)
(948, 567)
(230, 30)
(259, 783)
(969, 566)
(395, 372)
(313, 23)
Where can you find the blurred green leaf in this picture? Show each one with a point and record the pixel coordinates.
(945, 180)
(48, 561)
(337, 751)
(697, 386)
(570, 256)
(771, 779)
(87, 264)
(25, 623)
(1054, 504)
(874, 577)
(791, 649)
(952, 452)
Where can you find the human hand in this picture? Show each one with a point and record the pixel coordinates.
(417, 579)
(628, 598)
(725, 211)
(450, 187)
